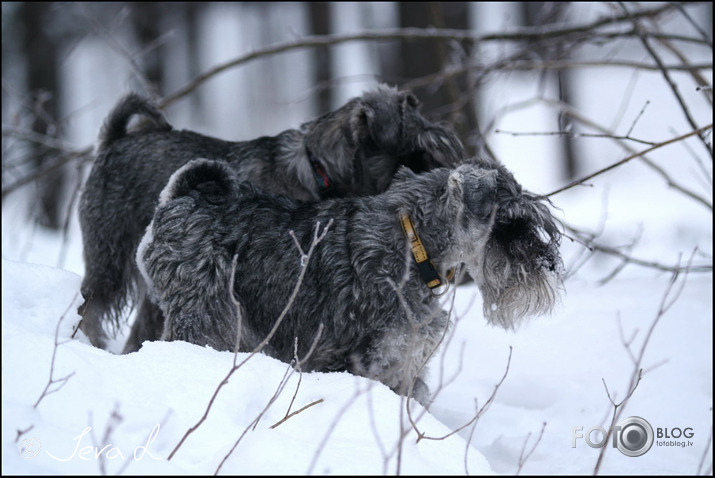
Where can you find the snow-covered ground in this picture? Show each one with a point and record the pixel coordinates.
(127, 413)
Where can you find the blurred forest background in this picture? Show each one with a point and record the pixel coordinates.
(570, 71)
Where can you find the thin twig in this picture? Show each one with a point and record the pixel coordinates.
(703, 34)
(481, 411)
(443, 338)
(321, 446)
(524, 34)
(19, 433)
(252, 426)
(52, 381)
(46, 169)
(320, 400)
(317, 238)
(633, 125)
(574, 114)
(700, 470)
(614, 251)
(573, 135)
(115, 419)
(523, 459)
(666, 74)
(279, 390)
(696, 132)
(669, 297)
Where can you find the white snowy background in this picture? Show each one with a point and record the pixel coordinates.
(125, 414)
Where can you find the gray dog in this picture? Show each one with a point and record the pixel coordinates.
(352, 151)
(371, 282)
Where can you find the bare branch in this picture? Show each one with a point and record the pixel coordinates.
(587, 241)
(54, 381)
(320, 400)
(702, 471)
(640, 113)
(254, 423)
(281, 386)
(694, 24)
(442, 340)
(115, 419)
(321, 446)
(696, 132)
(317, 238)
(669, 298)
(117, 46)
(525, 34)
(666, 74)
(572, 113)
(523, 459)
(571, 134)
(19, 433)
(47, 169)
(481, 411)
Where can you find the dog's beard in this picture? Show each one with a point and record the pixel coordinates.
(509, 296)
(518, 276)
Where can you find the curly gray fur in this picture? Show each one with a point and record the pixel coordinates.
(379, 318)
(356, 149)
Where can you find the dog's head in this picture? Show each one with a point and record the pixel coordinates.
(519, 270)
(361, 145)
(479, 215)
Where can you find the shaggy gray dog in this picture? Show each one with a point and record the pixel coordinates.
(377, 306)
(352, 151)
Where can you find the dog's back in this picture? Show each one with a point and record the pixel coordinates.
(352, 151)
(206, 215)
(131, 167)
(217, 246)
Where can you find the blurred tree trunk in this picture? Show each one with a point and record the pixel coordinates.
(538, 14)
(427, 57)
(571, 170)
(320, 25)
(190, 14)
(146, 18)
(40, 53)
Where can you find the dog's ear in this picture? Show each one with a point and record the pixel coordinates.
(479, 191)
(380, 117)
(403, 174)
(214, 181)
(410, 100)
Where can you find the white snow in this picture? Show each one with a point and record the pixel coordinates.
(554, 377)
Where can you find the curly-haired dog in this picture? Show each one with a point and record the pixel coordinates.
(352, 151)
(376, 304)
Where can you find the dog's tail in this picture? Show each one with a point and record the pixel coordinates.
(214, 181)
(117, 122)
